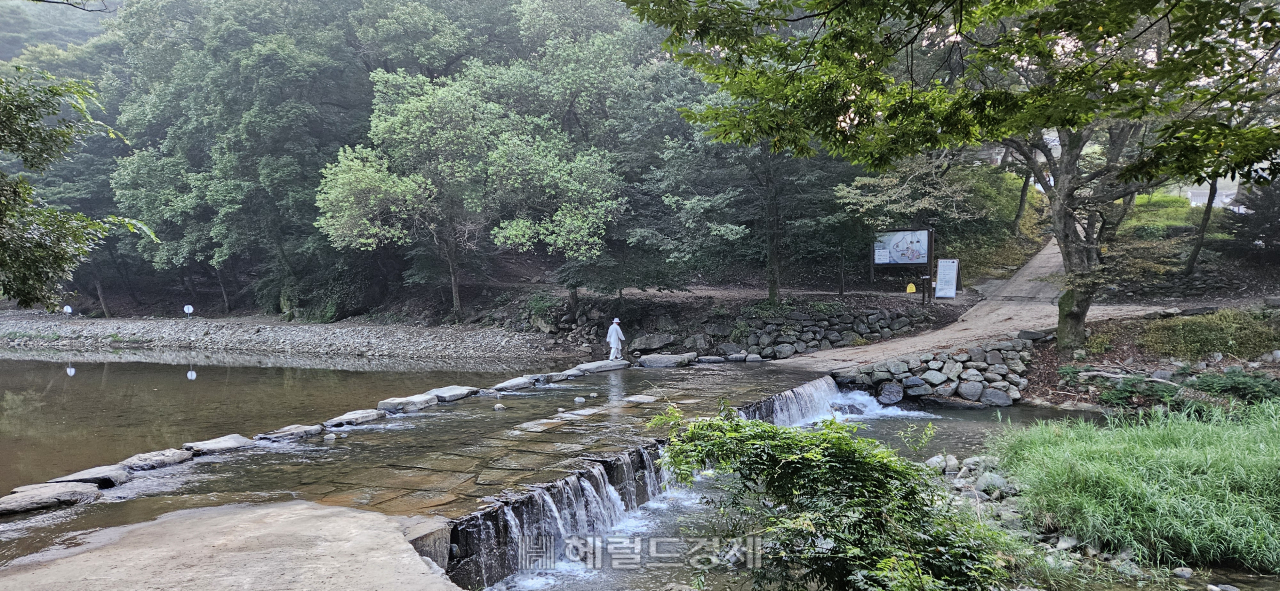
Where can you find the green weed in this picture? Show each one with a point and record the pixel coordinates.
(1254, 387)
(1230, 332)
(1177, 488)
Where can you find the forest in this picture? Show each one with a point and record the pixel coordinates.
(325, 160)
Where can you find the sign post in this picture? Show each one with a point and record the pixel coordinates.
(948, 278)
(905, 248)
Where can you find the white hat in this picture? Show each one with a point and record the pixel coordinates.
(616, 320)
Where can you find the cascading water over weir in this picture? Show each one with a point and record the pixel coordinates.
(486, 546)
(489, 545)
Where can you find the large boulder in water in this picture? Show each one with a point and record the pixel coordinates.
(664, 360)
(102, 476)
(995, 397)
(890, 393)
(48, 496)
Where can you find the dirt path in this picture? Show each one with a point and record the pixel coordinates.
(1027, 301)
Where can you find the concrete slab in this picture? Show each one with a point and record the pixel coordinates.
(294, 545)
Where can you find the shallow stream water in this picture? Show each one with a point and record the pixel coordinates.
(449, 460)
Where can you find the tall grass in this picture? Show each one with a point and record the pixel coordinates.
(1173, 487)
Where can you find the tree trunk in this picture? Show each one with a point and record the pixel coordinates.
(573, 299)
(841, 270)
(1022, 206)
(226, 302)
(1073, 308)
(97, 284)
(190, 284)
(773, 269)
(451, 257)
(1204, 227)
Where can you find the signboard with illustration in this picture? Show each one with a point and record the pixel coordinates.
(902, 247)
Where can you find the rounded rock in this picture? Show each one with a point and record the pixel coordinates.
(499, 406)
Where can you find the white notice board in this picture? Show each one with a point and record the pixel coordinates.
(948, 272)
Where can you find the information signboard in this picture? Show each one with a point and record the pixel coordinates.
(948, 278)
(902, 247)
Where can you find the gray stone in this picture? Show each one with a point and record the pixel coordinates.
(664, 361)
(101, 476)
(784, 351)
(739, 357)
(221, 444)
(938, 463)
(946, 389)
(751, 358)
(499, 406)
(995, 397)
(520, 383)
(991, 377)
(1066, 543)
(355, 417)
(1271, 301)
(768, 352)
(652, 342)
(971, 390)
(413, 403)
(290, 433)
(710, 359)
(729, 348)
(717, 330)
(952, 369)
(766, 340)
(890, 393)
(898, 367)
(1031, 335)
(912, 382)
(1162, 374)
(999, 385)
(881, 376)
(699, 342)
(599, 366)
(971, 375)
(999, 369)
(994, 357)
(936, 365)
(899, 324)
(952, 466)
(934, 377)
(961, 357)
(153, 460)
(1183, 572)
(951, 402)
(978, 365)
(1015, 365)
(48, 496)
(989, 482)
(977, 353)
(1014, 393)
(921, 390)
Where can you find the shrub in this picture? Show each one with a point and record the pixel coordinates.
(1248, 387)
(540, 303)
(1175, 487)
(838, 511)
(1231, 332)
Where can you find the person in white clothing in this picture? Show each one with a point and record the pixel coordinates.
(615, 339)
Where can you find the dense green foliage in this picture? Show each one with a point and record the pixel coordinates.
(1240, 333)
(838, 511)
(24, 23)
(322, 160)
(1099, 101)
(1194, 488)
(1249, 387)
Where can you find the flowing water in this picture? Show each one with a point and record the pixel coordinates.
(454, 459)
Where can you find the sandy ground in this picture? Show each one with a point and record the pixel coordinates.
(294, 545)
(1027, 301)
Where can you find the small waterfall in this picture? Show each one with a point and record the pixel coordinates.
(805, 403)
(488, 542)
(821, 399)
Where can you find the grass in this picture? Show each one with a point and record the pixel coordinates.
(1243, 334)
(1176, 488)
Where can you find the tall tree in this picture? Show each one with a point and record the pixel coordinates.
(1087, 93)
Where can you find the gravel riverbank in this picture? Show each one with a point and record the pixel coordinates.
(27, 330)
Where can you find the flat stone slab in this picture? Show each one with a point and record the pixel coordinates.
(413, 403)
(356, 417)
(519, 383)
(451, 393)
(712, 359)
(47, 496)
(640, 398)
(153, 460)
(101, 476)
(606, 365)
(664, 360)
(294, 545)
(221, 444)
(290, 433)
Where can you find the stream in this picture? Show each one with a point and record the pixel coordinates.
(440, 461)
